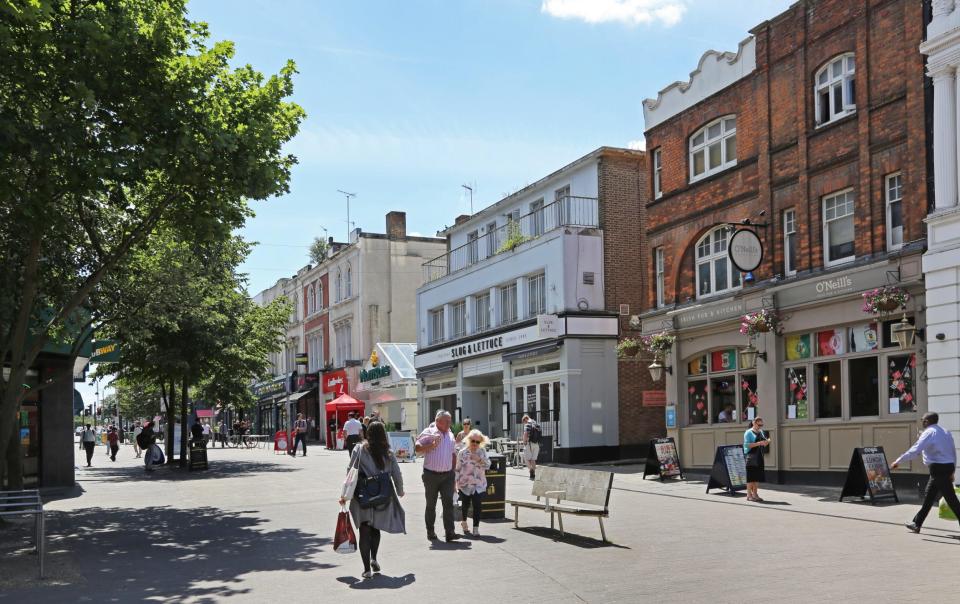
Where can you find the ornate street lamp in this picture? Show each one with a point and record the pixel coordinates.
(749, 355)
(904, 333)
(656, 369)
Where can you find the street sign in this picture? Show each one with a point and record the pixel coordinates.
(729, 469)
(662, 459)
(745, 250)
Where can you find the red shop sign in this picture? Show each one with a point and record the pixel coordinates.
(654, 398)
(335, 382)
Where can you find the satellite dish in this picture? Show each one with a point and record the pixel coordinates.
(582, 304)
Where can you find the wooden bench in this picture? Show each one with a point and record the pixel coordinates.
(19, 503)
(576, 492)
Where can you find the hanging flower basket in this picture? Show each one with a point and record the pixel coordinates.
(884, 300)
(627, 347)
(762, 321)
(659, 344)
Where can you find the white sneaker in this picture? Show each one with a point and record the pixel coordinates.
(366, 574)
(476, 530)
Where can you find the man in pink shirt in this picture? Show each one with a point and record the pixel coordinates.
(439, 450)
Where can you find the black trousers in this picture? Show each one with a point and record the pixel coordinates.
(466, 501)
(443, 484)
(351, 442)
(114, 449)
(88, 447)
(369, 544)
(301, 437)
(938, 485)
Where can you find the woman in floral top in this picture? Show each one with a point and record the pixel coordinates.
(472, 465)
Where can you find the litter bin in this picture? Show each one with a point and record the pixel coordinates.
(493, 501)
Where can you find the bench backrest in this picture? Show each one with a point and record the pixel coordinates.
(582, 486)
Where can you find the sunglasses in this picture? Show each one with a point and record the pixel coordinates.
(477, 442)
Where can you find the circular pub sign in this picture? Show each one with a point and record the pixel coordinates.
(745, 250)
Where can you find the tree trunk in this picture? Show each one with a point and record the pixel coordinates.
(184, 433)
(171, 401)
(14, 461)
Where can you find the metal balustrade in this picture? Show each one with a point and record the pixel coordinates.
(570, 211)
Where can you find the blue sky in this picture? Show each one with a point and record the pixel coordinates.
(408, 100)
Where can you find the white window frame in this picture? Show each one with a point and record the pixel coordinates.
(349, 283)
(311, 299)
(839, 74)
(473, 247)
(481, 312)
(657, 173)
(709, 250)
(893, 193)
(507, 318)
(827, 261)
(658, 267)
(537, 221)
(703, 146)
(789, 228)
(459, 320)
(339, 291)
(319, 295)
(435, 326)
(536, 295)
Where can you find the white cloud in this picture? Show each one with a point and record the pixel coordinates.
(631, 12)
(639, 144)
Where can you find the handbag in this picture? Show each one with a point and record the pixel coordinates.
(945, 512)
(344, 539)
(350, 482)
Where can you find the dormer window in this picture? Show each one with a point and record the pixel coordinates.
(835, 89)
(713, 148)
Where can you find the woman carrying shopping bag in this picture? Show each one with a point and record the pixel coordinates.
(472, 466)
(374, 498)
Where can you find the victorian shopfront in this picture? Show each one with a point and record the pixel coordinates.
(271, 409)
(562, 370)
(833, 380)
(388, 385)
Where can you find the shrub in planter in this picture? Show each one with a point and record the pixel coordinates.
(627, 347)
(762, 321)
(884, 299)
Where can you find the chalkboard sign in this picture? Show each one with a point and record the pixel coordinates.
(198, 456)
(663, 460)
(869, 474)
(729, 469)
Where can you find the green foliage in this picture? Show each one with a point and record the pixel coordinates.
(514, 237)
(319, 250)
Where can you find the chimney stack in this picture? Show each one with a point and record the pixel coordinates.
(461, 219)
(396, 225)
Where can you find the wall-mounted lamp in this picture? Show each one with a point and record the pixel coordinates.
(904, 333)
(656, 370)
(749, 355)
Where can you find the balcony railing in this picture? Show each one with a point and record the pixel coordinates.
(567, 211)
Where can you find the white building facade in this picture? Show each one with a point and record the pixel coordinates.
(511, 319)
(941, 262)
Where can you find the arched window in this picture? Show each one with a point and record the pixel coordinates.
(319, 294)
(349, 281)
(835, 89)
(713, 148)
(311, 300)
(715, 273)
(339, 290)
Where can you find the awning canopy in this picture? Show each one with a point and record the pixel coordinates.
(299, 395)
(204, 413)
(532, 351)
(345, 402)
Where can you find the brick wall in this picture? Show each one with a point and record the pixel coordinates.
(623, 195)
(783, 160)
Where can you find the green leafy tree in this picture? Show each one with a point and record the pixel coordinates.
(319, 250)
(116, 118)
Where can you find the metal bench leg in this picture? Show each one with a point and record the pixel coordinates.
(516, 516)
(560, 519)
(603, 533)
(551, 520)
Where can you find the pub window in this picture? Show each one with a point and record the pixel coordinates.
(717, 391)
(835, 89)
(790, 242)
(894, 197)
(713, 148)
(838, 228)
(864, 384)
(900, 376)
(715, 273)
(829, 392)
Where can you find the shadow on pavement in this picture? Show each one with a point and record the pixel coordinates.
(157, 553)
(379, 582)
(217, 469)
(568, 538)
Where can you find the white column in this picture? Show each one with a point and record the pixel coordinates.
(945, 137)
(522, 305)
(470, 305)
(494, 307)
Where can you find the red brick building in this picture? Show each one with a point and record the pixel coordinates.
(815, 131)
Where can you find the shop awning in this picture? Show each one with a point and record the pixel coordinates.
(532, 351)
(445, 368)
(204, 413)
(299, 395)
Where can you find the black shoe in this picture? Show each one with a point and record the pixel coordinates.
(452, 537)
(912, 527)
(431, 536)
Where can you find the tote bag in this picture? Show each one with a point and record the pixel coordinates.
(344, 539)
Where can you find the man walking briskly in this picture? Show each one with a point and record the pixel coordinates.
(438, 447)
(300, 434)
(113, 442)
(531, 444)
(88, 440)
(939, 453)
(352, 429)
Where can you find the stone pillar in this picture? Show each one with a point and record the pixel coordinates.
(470, 304)
(945, 137)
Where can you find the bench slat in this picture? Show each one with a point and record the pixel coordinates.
(582, 486)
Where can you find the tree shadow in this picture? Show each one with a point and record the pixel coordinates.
(216, 469)
(157, 553)
(379, 581)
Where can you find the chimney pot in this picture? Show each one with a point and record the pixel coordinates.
(396, 225)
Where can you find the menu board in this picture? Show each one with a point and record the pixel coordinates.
(401, 443)
(198, 456)
(662, 459)
(729, 469)
(869, 475)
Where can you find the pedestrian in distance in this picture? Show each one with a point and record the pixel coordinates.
(353, 430)
(196, 432)
(472, 466)
(113, 442)
(152, 453)
(438, 448)
(754, 440)
(299, 435)
(88, 440)
(939, 453)
(373, 457)
(136, 440)
(532, 435)
(207, 431)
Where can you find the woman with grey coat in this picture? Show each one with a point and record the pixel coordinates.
(373, 457)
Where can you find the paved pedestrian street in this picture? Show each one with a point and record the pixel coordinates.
(257, 527)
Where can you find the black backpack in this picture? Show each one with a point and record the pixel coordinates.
(533, 433)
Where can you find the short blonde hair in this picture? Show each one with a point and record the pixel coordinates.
(476, 434)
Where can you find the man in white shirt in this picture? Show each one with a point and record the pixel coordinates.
(939, 453)
(353, 429)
